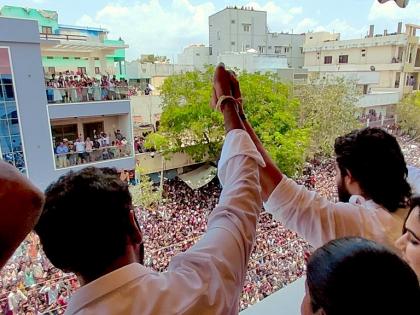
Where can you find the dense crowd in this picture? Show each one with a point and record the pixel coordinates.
(29, 284)
(70, 88)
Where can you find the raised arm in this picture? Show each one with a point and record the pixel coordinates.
(20, 207)
(213, 270)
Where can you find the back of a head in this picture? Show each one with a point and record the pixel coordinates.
(359, 276)
(374, 158)
(85, 221)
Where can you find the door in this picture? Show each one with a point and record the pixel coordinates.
(89, 128)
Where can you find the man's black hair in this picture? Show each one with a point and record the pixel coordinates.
(358, 276)
(85, 222)
(374, 159)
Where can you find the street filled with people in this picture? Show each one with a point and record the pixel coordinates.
(29, 283)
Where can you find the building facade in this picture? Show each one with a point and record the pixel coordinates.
(31, 127)
(245, 29)
(74, 49)
(386, 66)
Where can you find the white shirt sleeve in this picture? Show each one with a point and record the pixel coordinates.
(317, 219)
(211, 273)
(414, 179)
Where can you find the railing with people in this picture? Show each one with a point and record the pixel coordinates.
(74, 158)
(87, 94)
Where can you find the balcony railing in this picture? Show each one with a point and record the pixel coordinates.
(86, 94)
(47, 36)
(101, 154)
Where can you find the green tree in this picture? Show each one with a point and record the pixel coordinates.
(328, 109)
(291, 128)
(145, 194)
(408, 114)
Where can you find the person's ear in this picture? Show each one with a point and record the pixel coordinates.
(136, 235)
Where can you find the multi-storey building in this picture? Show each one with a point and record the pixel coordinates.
(242, 29)
(33, 124)
(385, 66)
(75, 49)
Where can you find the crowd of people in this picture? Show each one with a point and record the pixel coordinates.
(69, 88)
(100, 147)
(29, 284)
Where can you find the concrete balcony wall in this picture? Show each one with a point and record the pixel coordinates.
(153, 162)
(378, 99)
(354, 67)
(361, 77)
(86, 109)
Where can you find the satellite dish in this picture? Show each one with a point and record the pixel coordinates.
(372, 68)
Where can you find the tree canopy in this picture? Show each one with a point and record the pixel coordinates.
(291, 126)
(408, 114)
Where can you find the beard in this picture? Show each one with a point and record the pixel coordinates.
(343, 193)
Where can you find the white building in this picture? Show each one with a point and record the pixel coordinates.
(194, 55)
(241, 29)
(386, 66)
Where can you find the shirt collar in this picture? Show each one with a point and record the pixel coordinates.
(104, 285)
(360, 200)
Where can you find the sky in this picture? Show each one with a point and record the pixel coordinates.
(165, 27)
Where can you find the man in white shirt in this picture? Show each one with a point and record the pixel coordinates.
(372, 184)
(14, 298)
(100, 239)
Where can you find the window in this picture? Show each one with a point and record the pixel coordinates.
(261, 49)
(51, 69)
(301, 50)
(96, 58)
(286, 49)
(197, 54)
(218, 35)
(77, 58)
(343, 59)
(270, 47)
(47, 30)
(81, 70)
(247, 27)
(232, 43)
(50, 57)
(97, 70)
(10, 139)
(327, 59)
(277, 49)
(232, 21)
(210, 51)
(65, 58)
(363, 52)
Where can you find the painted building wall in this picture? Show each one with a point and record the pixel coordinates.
(44, 17)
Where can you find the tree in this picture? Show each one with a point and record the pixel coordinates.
(328, 108)
(291, 130)
(145, 194)
(408, 114)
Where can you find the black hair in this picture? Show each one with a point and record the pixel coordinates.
(374, 159)
(414, 203)
(357, 276)
(85, 220)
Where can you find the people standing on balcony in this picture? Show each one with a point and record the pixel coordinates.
(80, 150)
(358, 276)
(372, 187)
(104, 88)
(62, 151)
(89, 150)
(118, 135)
